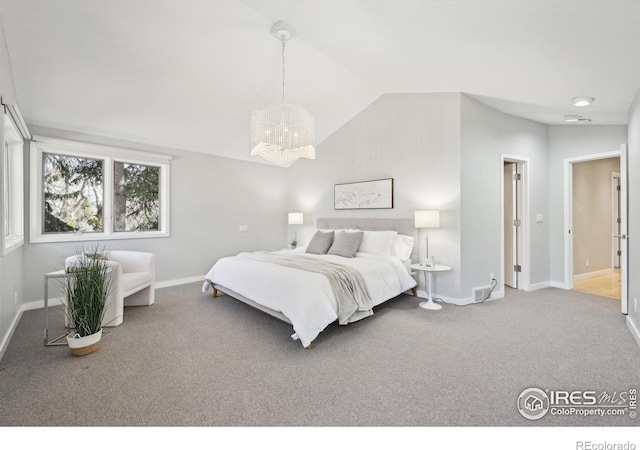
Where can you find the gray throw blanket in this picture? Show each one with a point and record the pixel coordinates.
(354, 302)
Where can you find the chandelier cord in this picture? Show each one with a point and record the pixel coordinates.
(283, 43)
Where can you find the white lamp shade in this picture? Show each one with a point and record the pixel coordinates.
(427, 219)
(296, 218)
(282, 133)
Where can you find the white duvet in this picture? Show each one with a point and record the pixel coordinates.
(306, 298)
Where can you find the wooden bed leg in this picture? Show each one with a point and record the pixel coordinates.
(215, 292)
(414, 291)
(309, 347)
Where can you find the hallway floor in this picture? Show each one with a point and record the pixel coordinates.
(607, 285)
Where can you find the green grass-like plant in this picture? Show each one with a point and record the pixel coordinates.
(86, 290)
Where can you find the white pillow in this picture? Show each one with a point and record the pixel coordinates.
(377, 242)
(402, 247)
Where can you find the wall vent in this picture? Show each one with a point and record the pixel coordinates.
(480, 293)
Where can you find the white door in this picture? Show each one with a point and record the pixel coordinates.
(511, 222)
(624, 243)
(616, 221)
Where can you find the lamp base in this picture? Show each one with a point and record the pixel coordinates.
(430, 305)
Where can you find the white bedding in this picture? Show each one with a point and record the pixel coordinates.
(306, 298)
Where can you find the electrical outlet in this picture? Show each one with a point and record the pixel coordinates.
(15, 298)
(635, 304)
(492, 276)
(587, 263)
(243, 228)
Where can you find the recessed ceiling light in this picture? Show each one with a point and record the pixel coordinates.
(571, 118)
(582, 101)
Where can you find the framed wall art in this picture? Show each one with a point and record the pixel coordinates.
(375, 194)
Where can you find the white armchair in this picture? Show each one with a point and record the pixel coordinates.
(133, 284)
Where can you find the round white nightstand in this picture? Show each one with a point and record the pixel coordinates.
(428, 272)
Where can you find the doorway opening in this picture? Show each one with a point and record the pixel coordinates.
(515, 236)
(595, 220)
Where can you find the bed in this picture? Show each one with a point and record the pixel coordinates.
(310, 290)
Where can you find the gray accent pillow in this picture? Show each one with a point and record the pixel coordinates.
(320, 242)
(346, 243)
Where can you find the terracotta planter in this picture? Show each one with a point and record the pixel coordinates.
(84, 345)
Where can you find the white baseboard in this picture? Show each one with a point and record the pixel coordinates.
(584, 276)
(178, 282)
(9, 334)
(635, 331)
(541, 285)
(458, 301)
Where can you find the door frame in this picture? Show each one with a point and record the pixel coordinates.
(568, 217)
(524, 249)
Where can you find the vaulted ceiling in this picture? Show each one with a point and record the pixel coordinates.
(186, 73)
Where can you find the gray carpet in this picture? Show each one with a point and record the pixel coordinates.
(190, 360)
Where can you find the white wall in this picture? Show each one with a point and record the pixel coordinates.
(486, 134)
(634, 213)
(11, 265)
(443, 151)
(210, 197)
(412, 138)
(570, 141)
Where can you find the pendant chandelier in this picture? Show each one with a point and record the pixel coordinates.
(282, 133)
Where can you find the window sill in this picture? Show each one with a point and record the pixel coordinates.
(11, 244)
(81, 237)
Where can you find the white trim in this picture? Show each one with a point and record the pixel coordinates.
(63, 146)
(9, 334)
(109, 155)
(11, 186)
(18, 119)
(179, 281)
(635, 331)
(538, 286)
(38, 304)
(584, 276)
(568, 217)
(457, 301)
(567, 164)
(624, 229)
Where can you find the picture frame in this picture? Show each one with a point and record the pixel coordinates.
(373, 194)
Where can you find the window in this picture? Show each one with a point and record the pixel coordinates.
(73, 194)
(90, 192)
(12, 188)
(137, 197)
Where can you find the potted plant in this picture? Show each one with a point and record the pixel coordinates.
(294, 244)
(86, 289)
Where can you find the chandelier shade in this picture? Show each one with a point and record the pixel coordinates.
(282, 133)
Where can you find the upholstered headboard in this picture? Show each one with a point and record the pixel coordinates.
(402, 226)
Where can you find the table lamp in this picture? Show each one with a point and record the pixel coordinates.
(427, 219)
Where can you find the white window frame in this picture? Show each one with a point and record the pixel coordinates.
(41, 145)
(12, 185)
